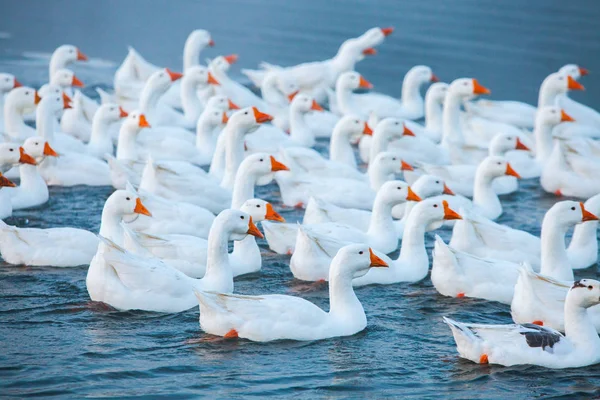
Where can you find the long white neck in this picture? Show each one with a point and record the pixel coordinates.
(548, 95)
(584, 238)
(234, 153)
(191, 55)
(543, 141)
(205, 138)
(411, 94)
(127, 146)
(190, 102)
(110, 226)
(218, 276)
(100, 137)
(580, 329)
(381, 221)
(342, 62)
(451, 129)
(271, 94)
(243, 188)
(555, 260)
(221, 76)
(56, 63)
(31, 180)
(378, 175)
(381, 139)
(13, 119)
(433, 114)
(413, 255)
(299, 130)
(247, 252)
(44, 121)
(344, 306)
(340, 149)
(344, 99)
(149, 99)
(484, 195)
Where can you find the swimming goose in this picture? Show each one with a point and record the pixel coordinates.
(11, 155)
(16, 103)
(127, 281)
(8, 82)
(275, 317)
(100, 141)
(583, 249)
(531, 344)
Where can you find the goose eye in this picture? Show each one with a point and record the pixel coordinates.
(361, 252)
(258, 206)
(508, 138)
(590, 287)
(356, 122)
(246, 113)
(27, 93)
(242, 217)
(37, 144)
(399, 188)
(397, 123)
(499, 163)
(437, 182)
(261, 160)
(127, 198)
(573, 208)
(435, 206)
(11, 149)
(394, 159)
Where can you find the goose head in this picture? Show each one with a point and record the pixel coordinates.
(8, 82)
(354, 261)
(352, 80)
(134, 122)
(109, 113)
(396, 192)
(126, 204)
(393, 127)
(568, 214)
(162, 79)
(23, 98)
(433, 212)
(303, 103)
(237, 223)
(221, 102)
(262, 166)
(287, 86)
(559, 83)
(67, 54)
(436, 93)
(390, 163)
(504, 142)
(53, 103)
(574, 71)
(38, 148)
(584, 293)
(212, 117)
(65, 78)
(420, 75)
(12, 154)
(199, 39)
(495, 166)
(199, 75)
(248, 118)
(467, 88)
(430, 185)
(261, 210)
(222, 63)
(551, 116)
(373, 37)
(353, 127)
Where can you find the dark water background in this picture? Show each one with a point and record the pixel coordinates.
(55, 343)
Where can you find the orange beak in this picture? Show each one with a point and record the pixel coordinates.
(76, 82)
(277, 166)
(122, 113)
(140, 208)
(273, 215)
(387, 31)
(564, 117)
(412, 196)
(49, 151)
(583, 71)
(376, 261)
(315, 106)
(173, 75)
(211, 43)
(231, 59)
(521, 146)
(17, 84)
(225, 118)
(587, 216)
(449, 213)
(260, 116)
(5, 182)
(369, 52)
(36, 98)
(232, 105)
(404, 166)
(573, 84)
(510, 171)
(211, 80)
(66, 101)
(447, 190)
(407, 132)
(434, 78)
(143, 122)
(478, 89)
(81, 56)
(26, 158)
(292, 95)
(363, 83)
(253, 230)
(367, 130)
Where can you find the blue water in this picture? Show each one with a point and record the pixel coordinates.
(55, 342)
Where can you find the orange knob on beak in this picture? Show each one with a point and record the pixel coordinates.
(76, 82)
(376, 261)
(387, 31)
(232, 58)
(25, 158)
(277, 166)
(587, 216)
(5, 182)
(449, 213)
(367, 130)
(478, 89)
(434, 78)
(273, 215)
(404, 166)
(66, 101)
(407, 132)
(81, 56)
(140, 208)
(211, 80)
(143, 122)
(572, 84)
(49, 151)
(260, 116)
(232, 105)
(36, 98)
(521, 146)
(412, 196)
(173, 75)
(363, 83)
(510, 171)
(292, 95)
(122, 113)
(17, 84)
(253, 230)
(583, 71)
(564, 117)
(225, 118)
(369, 52)
(447, 190)
(315, 106)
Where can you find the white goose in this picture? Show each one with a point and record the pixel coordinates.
(434, 100)
(77, 121)
(19, 101)
(459, 274)
(32, 190)
(100, 141)
(196, 79)
(531, 344)
(583, 249)
(275, 317)
(8, 82)
(237, 92)
(5, 203)
(64, 56)
(127, 281)
(11, 155)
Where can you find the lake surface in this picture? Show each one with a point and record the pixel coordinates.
(55, 342)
